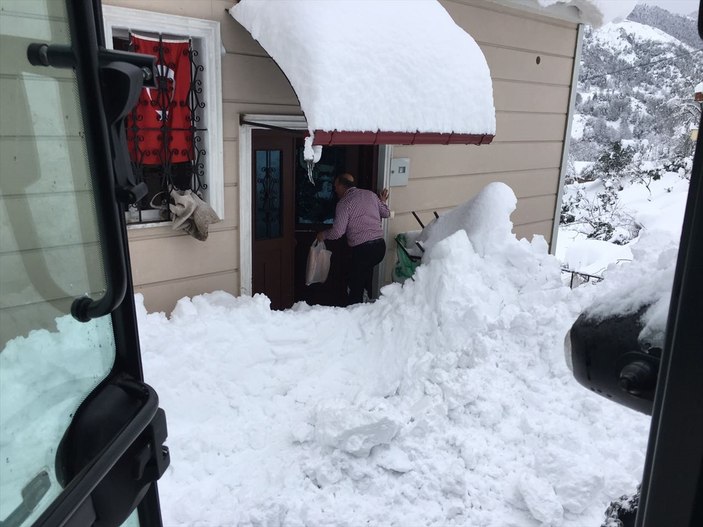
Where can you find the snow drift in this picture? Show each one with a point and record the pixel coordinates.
(445, 402)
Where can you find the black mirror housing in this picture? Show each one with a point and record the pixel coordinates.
(608, 359)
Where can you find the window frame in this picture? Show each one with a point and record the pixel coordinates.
(207, 40)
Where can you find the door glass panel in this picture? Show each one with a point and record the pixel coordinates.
(50, 253)
(315, 203)
(269, 194)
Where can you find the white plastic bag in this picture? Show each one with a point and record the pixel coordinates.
(318, 263)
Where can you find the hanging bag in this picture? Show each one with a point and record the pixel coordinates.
(318, 267)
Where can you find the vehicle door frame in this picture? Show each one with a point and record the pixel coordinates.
(672, 486)
(87, 39)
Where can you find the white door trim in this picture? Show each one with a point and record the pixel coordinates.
(246, 237)
(385, 154)
(245, 210)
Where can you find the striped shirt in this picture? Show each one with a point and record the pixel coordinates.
(358, 214)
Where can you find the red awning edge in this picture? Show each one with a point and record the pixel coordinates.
(398, 138)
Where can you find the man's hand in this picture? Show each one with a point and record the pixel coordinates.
(321, 236)
(383, 195)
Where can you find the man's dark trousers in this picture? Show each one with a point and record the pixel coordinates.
(364, 257)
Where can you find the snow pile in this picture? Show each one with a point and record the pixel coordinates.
(445, 402)
(589, 256)
(596, 12)
(401, 66)
(624, 292)
(482, 218)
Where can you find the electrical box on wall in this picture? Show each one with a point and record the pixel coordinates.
(400, 171)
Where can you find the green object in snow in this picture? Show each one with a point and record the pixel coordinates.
(407, 263)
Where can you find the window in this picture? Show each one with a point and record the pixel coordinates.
(316, 203)
(269, 194)
(175, 132)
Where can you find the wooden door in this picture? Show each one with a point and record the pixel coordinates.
(273, 226)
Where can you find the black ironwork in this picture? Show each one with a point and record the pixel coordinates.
(167, 175)
(268, 194)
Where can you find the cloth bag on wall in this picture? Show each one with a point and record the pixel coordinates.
(318, 267)
(191, 214)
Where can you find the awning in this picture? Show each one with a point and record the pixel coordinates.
(377, 72)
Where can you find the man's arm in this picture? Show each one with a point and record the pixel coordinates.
(339, 227)
(382, 205)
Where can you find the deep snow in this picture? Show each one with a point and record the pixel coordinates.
(446, 402)
(659, 210)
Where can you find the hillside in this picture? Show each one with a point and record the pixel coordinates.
(668, 22)
(631, 150)
(636, 84)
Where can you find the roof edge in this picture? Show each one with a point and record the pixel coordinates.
(341, 137)
(566, 13)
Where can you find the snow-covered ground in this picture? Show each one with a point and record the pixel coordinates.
(446, 402)
(658, 209)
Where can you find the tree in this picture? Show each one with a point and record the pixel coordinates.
(614, 164)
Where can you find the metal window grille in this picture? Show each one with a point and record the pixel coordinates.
(166, 175)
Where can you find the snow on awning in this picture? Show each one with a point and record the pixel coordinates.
(399, 72)
(595, 13)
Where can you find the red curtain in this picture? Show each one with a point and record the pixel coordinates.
(163, 117)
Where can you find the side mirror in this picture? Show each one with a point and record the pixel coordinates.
(607, 356)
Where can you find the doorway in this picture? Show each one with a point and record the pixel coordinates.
(288, 210)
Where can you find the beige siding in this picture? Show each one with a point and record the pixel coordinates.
(168, 265)
(522, 97)
(531, 102)
(169, 292)
(264, 83)
(508, 27)
(525, 127)
(429, 194)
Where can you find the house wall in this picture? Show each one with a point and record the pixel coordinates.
(531, 102)
(168, 265)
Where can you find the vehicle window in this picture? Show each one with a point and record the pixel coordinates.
(50, 254)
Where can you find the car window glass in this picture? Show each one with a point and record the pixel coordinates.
(50, 254)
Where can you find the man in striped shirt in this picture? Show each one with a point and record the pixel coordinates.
(358, 215)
